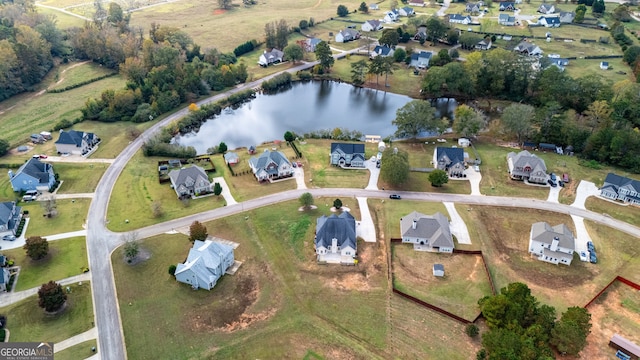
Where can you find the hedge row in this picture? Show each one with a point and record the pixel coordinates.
(277, 82)
(82, 83)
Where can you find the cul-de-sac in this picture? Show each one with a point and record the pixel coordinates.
(270, 179)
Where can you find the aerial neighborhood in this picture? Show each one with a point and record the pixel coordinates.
(269, 180)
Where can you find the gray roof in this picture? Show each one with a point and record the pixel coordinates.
(7, 209)
(525, 159)
(459, 17)
(230, 156)
(383, 50)
(204, 259)
(438, 267)
(545, 233)
(434, 227)
(374, 23)
(262, 161)
(189, 177)
(73, 137)
(341, 227)
(347, 148)
(421, 55)
(614, 182)
(36, 169)
(4, 271)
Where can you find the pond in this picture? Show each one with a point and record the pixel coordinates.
(303, 108)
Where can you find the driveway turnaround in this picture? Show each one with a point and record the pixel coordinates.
(228, 198)
(458, 227)
(365, 229)
(584, 190)
(75, 340)
(474, 179)
(374, 172)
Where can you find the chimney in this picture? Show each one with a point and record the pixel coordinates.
(415, 224)
(554, 243)
(10, 174)
(334, 245)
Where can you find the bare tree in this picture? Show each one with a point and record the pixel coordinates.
(156, 209)
(131, 246)
(50, 207)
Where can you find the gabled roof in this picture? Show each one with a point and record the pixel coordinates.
(228, 156)
(36, 169)
(374, 23)
(616, 181)
(455, 155)
(382, 50)
(546, 7)
(341, 227)
(526, 159)
(545, 233)
(7, 210)
(204, 260)
(435, 228)
(421, 55)
(407, 9)
(188, 176)
(347, 148)
(459, 17)
(550, 19)
(349, 33)
(261, 161)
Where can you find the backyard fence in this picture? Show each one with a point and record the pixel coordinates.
(617, 278)
(432, 307)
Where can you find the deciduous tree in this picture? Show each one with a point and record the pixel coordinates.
(293, 52)
(51, 297)
(323, 54)
(389, 37)
(438, 178)
(36, 247)
(468, 121)
(413, 118)
(197, 231)
(394, 167)
(306, 200)
(517, 119)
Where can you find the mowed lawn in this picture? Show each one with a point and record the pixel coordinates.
(78, 73)
(71, 216)
(80, 351)
(275, 306)
(79, 178)
(66, 258)
(27, 322)
(627, 213)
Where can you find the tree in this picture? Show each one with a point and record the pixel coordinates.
(413, 118)
(293, 53)
(222, 148)
(282, 34)
(323, 54)
(394, 167)
(4, 147)
(197, 231)
(270, 35)
(363, 8)
(115, 14)
(598, 7)
(131, 248)
(438, 177)
(342, 11)
(631, 55)
(581, 10)
(224, 4)
(569, 335)
(289, 137)
(472, 330)
(468, 121)
(49, 206)
(598, 115)
(51, 297)
(399, 55)
(517, 119)
(436, 29)
(389, 37)
(306, 200)
(156, 209)
(452, 36)
(36, 247)
(217, 189)
(172, 270)
(337, 203)
(358, 72)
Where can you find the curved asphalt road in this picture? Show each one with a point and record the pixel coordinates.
(101, 242)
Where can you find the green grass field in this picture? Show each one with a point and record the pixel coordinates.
(77, 352)
(629, 214)
(71, 216)
(66, 258)
(320, 173)
(28, 322)
(79, 178)
(78, 73)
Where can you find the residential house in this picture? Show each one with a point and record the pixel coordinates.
(547, 9)
(372, 25)
(566, 17)
(427, 232)
(270, 165)
(206, 263)
(549, 21)
(450, 159)
(346, 35)
(560, 63)
(347, 155)
(420, 60)
(604, 65)
(190, 181)
(406, 11)
(10, 216)
(464, 142)
(506, 6)
(484, 44)
(473, 7)
(309, 45)
(335, 239)
(231, 158)
(621, 188)
(33, 175)
(526, 166)
(459, 19)
(381, 50)
(391, 16)
(552, 244)
(251, 150)
(421, 33)
(4, 278)
(273, 56)
(374, 6)
(506, 20)
(438, 270)
(528, 48)
(420, 3)
(76, 142)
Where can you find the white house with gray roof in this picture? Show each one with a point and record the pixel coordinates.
(206, 263)
(76, 142)
(427, 232)
(335, 240)
(526, 166)
(10, 216)
(552, 244)
(270, 165)
(190, 181)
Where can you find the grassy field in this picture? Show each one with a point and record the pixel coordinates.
(320, 173)
(629, 214)
(618, 69)
(277, 304)
(65, 259)
(77, 352)
(28, 322)
(138, 187)
(79, 178)
(64, 21)
(77, 74)
(71, 216)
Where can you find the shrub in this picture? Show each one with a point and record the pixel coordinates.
(172, 270)
(277, 82)
(51, 296)
(302, 75)
(62, 124)
(472, 330)
(245, 48)
(303, 24)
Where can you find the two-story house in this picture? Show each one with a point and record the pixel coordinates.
(206, 263)
(427, 232)
(526, 166)
(76, 142)
(621, 188)
(335, 240)
(33, 175)
(270, 165)
(10, 216)
(450, 160)
(347, 155)
(552, 244)
(190, 181)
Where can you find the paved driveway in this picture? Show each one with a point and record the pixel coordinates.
(365, 228)
(458, 227)
(582, 236)
(554, 193)
(374, 174)
(474, 179)
(226, 193)
(583, 191)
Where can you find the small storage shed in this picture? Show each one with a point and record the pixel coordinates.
(628, 348)
(464, 142)
(231, 158)
(438, 270)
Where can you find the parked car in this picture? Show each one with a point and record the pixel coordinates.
(8, 237)
(592, 257)
(565, 177)
(553, 176)
(552, 183)
(561, 183)
(590, 246)
(42, 156)
(395, 196)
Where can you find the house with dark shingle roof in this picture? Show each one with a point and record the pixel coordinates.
(472, 7)
(33, 175)
(206, 263)
(381, 50)
(526, 166)
(270, 165)
(346, 35)
(347, 155)
(273, 56)
(420, 60)
(506, 6)
(371, 25)
(552, 244)
(528, 48)
(547, 9)
(76, 142)
(506, 20)
(459, 19)
(335, 240)
(10, 216)
(621, 188)
(190, 181)
(549, 21)
(450, 160)
(4, 279)
(427, 232)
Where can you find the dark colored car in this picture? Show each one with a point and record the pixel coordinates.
(552, 183)
(395, 196)
(590, 246)
(592, 257)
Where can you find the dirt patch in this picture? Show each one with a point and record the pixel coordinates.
(357, 281)
(143, 255)
(219, 11)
